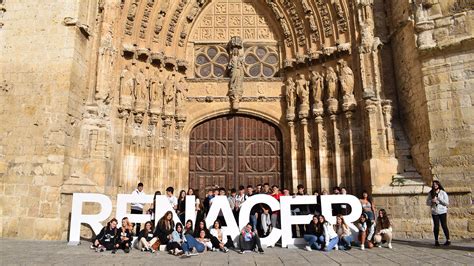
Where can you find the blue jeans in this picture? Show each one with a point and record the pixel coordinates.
(345, 242)
(332, 243)
(313, 241)
(191, 243)
(253, 221)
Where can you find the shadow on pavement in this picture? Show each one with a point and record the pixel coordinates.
(465, 246)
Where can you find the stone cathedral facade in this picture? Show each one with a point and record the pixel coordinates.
(373, 95)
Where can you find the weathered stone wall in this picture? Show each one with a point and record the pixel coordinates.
(42, 66)
(433, 58)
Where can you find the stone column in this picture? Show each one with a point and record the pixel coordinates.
(351, 177)
(333, 108)
(307, 154)
(320, 149)
(293, 155)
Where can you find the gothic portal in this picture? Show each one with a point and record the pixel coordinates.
(367, 94)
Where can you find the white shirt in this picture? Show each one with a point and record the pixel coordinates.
(173, 201)
(137, 206)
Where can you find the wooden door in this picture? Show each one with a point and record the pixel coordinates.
(234, 150)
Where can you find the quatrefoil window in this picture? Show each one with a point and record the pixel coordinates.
(261, 61)
(211, 61)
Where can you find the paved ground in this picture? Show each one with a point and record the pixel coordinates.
(403, 253)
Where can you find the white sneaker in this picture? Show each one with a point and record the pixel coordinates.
(390, 245)
(336, 247)
(308, 248)
(362, 247)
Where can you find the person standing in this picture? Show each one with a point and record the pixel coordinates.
(137, 207)
(439, 201)
(171, 198)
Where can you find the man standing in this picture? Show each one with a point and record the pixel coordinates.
(171, 198)
(137, 208)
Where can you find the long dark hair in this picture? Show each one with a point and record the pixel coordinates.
(384, 221)
(433, 190)
(161, 222)
(369, 198)
(151, 228)
(197, 229)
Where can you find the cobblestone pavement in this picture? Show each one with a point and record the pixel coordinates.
(403, 253)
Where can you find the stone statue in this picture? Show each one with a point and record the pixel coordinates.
(290, 93)
(236, 67)
(302, 89)
(346, 78)
(331, 83)
(181, 90)
(156, 94)
(127, 88)
(316, 86)
(141, 92)
(169, 90)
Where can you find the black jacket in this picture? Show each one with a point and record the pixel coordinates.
(162, 233)
(108, 236)
(313, 229)
(148, 236)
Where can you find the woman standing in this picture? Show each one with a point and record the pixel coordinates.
(383, 229)
(181, 206)
(368, 206)
(439, 201)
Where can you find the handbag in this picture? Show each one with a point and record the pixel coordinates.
(156, 245)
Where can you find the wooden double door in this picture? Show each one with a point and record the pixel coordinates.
(233, 150)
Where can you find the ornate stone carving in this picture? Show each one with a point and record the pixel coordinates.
(331, 83)
(174, 22)
(146, 17)
(236, 67)
(156, 94)
(181, 91)
(164, 6)
(141, 95)
(131, 17)
(325, 17)
(306, 7)
(341, 19)
(290, 99)
(317, 84)
(302, 89)
(346, 79)
(169, 93)
(127, 91)
(158, 27)
(297, 23)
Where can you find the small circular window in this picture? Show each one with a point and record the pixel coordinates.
(261, 61)
(211, 62)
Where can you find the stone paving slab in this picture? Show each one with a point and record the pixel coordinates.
(17, 252)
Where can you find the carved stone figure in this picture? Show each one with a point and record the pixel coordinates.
(164, 6)
(127, 88)
(302, 89)
(331, 83)
(290, 93)
(181, 90)
(141, 91)
(156, 94)
(169, 89)
(306, 6)
(276, 11)
(316, 86)
(346, 78)
(236, 67)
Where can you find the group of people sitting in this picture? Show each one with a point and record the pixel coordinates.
(189, 240)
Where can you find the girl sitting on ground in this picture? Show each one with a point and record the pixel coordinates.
(313, 235)
(174, 245)
(330, 236)
(124, 240)
(365, 233)
(145, 238)
(249, 240)
(216, 232)
(343, 232)
(383, 230)
(107, 237)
